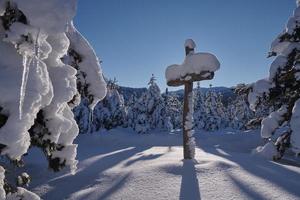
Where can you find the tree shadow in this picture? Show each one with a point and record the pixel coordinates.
(252, 194)
(189, 188)
(90, 175)
(115, 187)
(259, 167)
(189, 184)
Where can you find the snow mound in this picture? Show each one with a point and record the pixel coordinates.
(193, 64)
(272, 122)
(267, 151)
(51, 16)
(190, 44)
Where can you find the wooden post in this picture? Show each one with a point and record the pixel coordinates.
(188, 90)
(187, 80)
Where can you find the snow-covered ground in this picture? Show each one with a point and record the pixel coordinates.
(121, 164)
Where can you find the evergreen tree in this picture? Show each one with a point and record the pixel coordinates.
(239, 112)
(282, 89)
(148, 111)
(221, 111)
(109, 113)
(82, 115)
(199, 108)
(212, 119)
(173, 111)
(216, 116)
(141, 122)
(155, 104)
(131, 111)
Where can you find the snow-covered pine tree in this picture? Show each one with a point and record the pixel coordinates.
(82, 115)
(282, 89)
(147, 112)
(140, 122)
(199, 110)
(172, 111)
(238, 111)
(212, 120)
(110, 112)
(36, 38)
(155, 104)
(221, 111)
(131, 111)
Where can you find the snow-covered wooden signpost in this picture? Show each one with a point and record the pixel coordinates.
(196, 67)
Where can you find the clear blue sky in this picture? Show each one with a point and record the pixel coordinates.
(135, 38)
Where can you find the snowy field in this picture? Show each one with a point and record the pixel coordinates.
(121, 164)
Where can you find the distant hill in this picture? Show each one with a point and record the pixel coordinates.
(226, 92)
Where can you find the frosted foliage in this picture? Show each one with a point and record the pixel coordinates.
(278, 63)
(89, 65)
(272, 122)
(37, 37)
(110, 112)
(259, 89)
(295, 126)
(39, 94)
(280, 91)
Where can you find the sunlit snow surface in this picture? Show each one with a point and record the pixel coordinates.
(121, 164)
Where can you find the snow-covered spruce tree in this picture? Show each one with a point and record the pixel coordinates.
(140, 122)
(155, 105)
(238, 111)
(172, 111)
(221, 111)
(110, 112)
(38, 87)
(82, 114)
(282, 90)
(215, 115)
(251, 120)
(148, 109)
(131, 111)
(199, 110)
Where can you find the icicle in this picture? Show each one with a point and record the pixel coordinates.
(91, 118)
(26, 64)
(36, 56)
